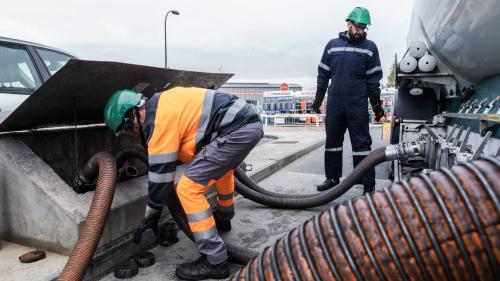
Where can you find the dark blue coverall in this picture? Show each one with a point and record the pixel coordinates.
(355, 71)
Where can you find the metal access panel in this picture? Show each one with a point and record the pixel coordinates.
(422, 107)
(78, 92)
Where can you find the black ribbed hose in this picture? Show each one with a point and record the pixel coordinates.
(235, 254)
(369, 162)
(240, 175)
(135, 150)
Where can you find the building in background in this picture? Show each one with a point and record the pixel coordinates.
(290, 102)
(387, 97)
(253, 93)
(273, 98)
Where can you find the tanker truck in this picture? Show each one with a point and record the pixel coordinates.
(448, 84)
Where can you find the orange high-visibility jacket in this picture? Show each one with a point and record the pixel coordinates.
(178, 123)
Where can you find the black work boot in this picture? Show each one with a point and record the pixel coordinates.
(368, 188)
(221, 224)
(327, 184)
(201, 269)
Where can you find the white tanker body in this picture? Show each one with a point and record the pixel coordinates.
(462, 34)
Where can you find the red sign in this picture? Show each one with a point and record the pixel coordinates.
(283, 87)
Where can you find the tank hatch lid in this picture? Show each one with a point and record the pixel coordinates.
(78, 92)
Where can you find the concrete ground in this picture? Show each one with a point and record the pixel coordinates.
(12, 269)
(255, 226)
(287, 160)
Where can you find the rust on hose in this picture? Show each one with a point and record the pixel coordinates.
(270, 264)
(443, 225)
(91, 232)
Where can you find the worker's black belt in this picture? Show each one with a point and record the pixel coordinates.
(226, 131)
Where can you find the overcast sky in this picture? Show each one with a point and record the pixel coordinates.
(258, 40)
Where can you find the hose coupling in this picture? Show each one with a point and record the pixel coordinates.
(82, 184)
(405, 150)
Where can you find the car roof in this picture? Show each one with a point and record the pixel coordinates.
(17, 41)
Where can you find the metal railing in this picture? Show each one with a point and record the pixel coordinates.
(292, 119)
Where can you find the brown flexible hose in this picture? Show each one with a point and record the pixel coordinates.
(91, 232)
(444, 225)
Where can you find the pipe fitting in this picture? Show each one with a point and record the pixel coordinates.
(392, 152)
(128, 172)
(405, 150)
(81, 184)
(131, 171)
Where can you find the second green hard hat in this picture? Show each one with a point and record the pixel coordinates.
(361, 15)
(116, 107)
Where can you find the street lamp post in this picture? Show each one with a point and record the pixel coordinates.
(165, 32)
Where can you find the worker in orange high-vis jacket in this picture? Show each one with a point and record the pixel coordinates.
(211, 131)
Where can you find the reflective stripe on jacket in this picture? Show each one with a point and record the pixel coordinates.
(354, 69)
(178, 123)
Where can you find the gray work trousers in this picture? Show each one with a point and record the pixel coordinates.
(212, 162)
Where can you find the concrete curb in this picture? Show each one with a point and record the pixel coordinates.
(270, 169)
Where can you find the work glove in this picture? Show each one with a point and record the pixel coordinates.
(378, 110)
(150, 221)
(316, 105)
(318, 100)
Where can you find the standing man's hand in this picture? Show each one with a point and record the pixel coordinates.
(150, 221)
(318, 100)
(316, 105)
(379, 111)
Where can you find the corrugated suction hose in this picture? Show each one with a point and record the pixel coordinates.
(103, 164)
(444, 225)
(236, 254)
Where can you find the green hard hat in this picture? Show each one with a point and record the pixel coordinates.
(116, 107)
(361, 15)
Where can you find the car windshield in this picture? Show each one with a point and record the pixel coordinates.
(53, 60)
(17, 72)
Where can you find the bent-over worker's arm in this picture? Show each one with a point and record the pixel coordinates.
(163, 149)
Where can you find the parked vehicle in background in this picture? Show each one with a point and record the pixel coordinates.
(24, 67)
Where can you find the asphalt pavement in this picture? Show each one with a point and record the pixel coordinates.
(255, 226)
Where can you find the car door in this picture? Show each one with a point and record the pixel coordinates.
(19, 77)
(52, 60)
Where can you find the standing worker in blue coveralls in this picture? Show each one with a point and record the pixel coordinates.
(352, 63)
